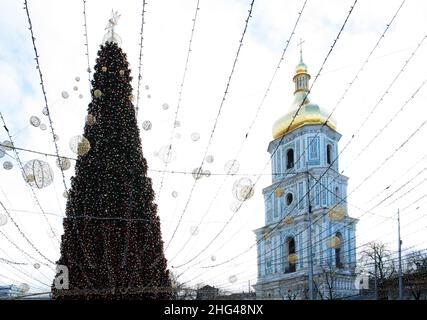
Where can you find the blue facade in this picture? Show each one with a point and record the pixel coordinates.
(305, 175)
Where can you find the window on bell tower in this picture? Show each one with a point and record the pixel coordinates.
(290, 257)
(329, 154)
(338, 252)
(289, 199)
(290, 159)
(337, 195)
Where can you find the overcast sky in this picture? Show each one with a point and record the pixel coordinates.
(59, 33)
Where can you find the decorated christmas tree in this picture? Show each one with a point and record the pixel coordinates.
(111, 246)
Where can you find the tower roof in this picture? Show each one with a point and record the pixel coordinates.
(302, 111)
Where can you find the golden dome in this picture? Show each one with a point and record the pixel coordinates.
(301, 68)
(308, 114)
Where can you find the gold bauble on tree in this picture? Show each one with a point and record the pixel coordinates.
(97, 93)
(90, 119)
(79, 145)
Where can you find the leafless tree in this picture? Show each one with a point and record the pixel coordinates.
(377, 260)
(289, 294)
(180, 291)
(328, 279)
(415, 276)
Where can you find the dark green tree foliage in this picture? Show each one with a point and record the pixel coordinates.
(109, 254)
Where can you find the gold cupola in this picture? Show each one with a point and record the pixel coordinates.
(302, 111)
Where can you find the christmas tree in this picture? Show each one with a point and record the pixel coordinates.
(112, 242)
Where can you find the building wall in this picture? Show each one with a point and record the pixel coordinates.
(327, 191)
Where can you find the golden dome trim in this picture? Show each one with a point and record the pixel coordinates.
(309, 114)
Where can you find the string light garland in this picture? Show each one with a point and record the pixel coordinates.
(24, 173)
(23, 234)
(86, 45)
(216, 118)
(141, 33)
(181, 90)
(33, 39)
(267, 91)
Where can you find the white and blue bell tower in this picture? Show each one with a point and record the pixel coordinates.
(305, 174)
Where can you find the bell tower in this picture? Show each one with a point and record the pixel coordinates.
(305, 174)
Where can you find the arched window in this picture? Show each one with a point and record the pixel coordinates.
(290, 257)
(339, 257)
(290, 159)
(329, 154)
(337, 195)
(289, 198)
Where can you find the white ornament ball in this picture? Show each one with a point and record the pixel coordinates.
(231, 167)
(232, 279)
(34, 121)
(197, 173)
(43, 127)
(38, 173)
(146, 125)
(63, 163)
(209, 159)
(7, 145)
(79, 145)
(195, 136)
(243, 189)
(194, 230)
(3, 219)
(7, 165)
(167, 154)
(65, 94)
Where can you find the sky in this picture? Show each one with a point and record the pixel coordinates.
(387, 161)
